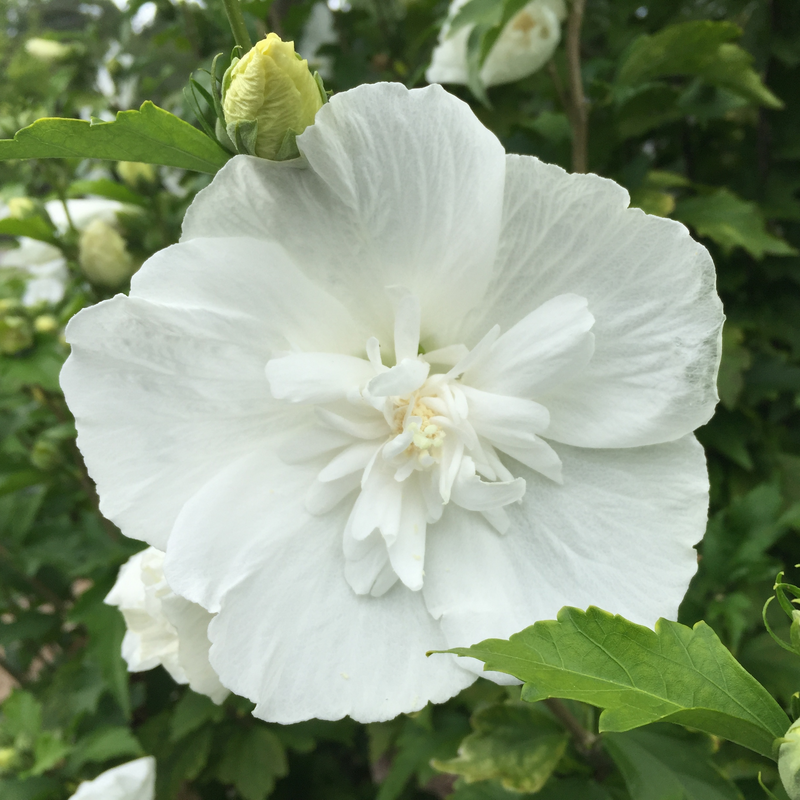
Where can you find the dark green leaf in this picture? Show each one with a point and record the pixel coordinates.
(638, 676)
(700, 48)
(731, 222)
(150, 135)
(103, 744)
(252, 760)
(660, 766)
(193, 711)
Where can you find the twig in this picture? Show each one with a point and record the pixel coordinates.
(585, 740)
(236, 20)
(579, 116)
(559, 86)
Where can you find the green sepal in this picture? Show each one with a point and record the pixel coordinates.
(244, 135)
(288, 149)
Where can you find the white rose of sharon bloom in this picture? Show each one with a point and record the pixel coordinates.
(135, 780)
(163, 628)
(416, 395)
(525, 45)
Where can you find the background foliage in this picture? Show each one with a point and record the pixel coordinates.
(700, 123)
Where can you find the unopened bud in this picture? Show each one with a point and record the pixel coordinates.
(269, 96)
(136, 173)
(47, 49)
(45, 323)
(789, 761)
(16, 334)
(103, 256)
(21, 207)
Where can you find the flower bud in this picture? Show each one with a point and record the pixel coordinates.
(789, 761)
(15, 334)
(21, 207)
(135, 173)
(103, 256)
(47, 49)
(45, 323)
(268, 96)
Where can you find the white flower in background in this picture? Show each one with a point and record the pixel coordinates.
(318, 31)
(135, 780)
(44, 262)
(163, 628)
(526, 44)
(258, 408)
(47, 268)
(103, 254)
(47, 50)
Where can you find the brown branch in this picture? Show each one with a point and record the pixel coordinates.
(579, 112)
(585, 740)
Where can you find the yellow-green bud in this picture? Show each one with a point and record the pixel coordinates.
(135, 173)
(21, 207)
(45, 323)
(8, 756)
(47, 49)
(15, 334)
(103, 256)
(273, 87)
(789, 761)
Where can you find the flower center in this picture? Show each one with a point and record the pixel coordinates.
(412, 442)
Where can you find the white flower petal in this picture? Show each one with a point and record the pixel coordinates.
(316, 377)
(378, 506)
(350, 460)
(407, 551)
(183, 390)
(618, 534)
(191, 623)
(505, 420)
(403, 379)
(470, 492)
(550, 344)
(437, 237)
(536, 454)
(291, 634)
(135, 780)
(650, 287)
(322, 497)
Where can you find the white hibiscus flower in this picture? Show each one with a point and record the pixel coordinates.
(135, 780)
(45, 263)
(418, 394)
(525, 45)
(163, 628)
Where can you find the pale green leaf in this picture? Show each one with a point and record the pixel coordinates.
(638, 676)
(150, 135)
(731, 222)
(700, 49)
(514, 743)
(659, 766)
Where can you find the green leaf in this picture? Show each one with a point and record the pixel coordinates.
(566, 789)
(48, 750)
(105, 187)
(659, 766)
(32, 227)
(150, 135)
(476, 12)
(39, 788)
(638, 676)
(103, 744)
(736, 360)
(192, 711)
(22, 715)
(731, 222)
(702, 49)
(514, 743)
(106, 629)
(251, 761)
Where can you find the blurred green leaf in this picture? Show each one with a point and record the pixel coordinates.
(514, 743)
(32, 227)
(192, 711)
(660, 766)
(104, 744)
(736, 360)
(48, 750)
(150, 135)
(675, 674)
(700, 48)
(252, 760)
(21, 716)
(731, 222)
